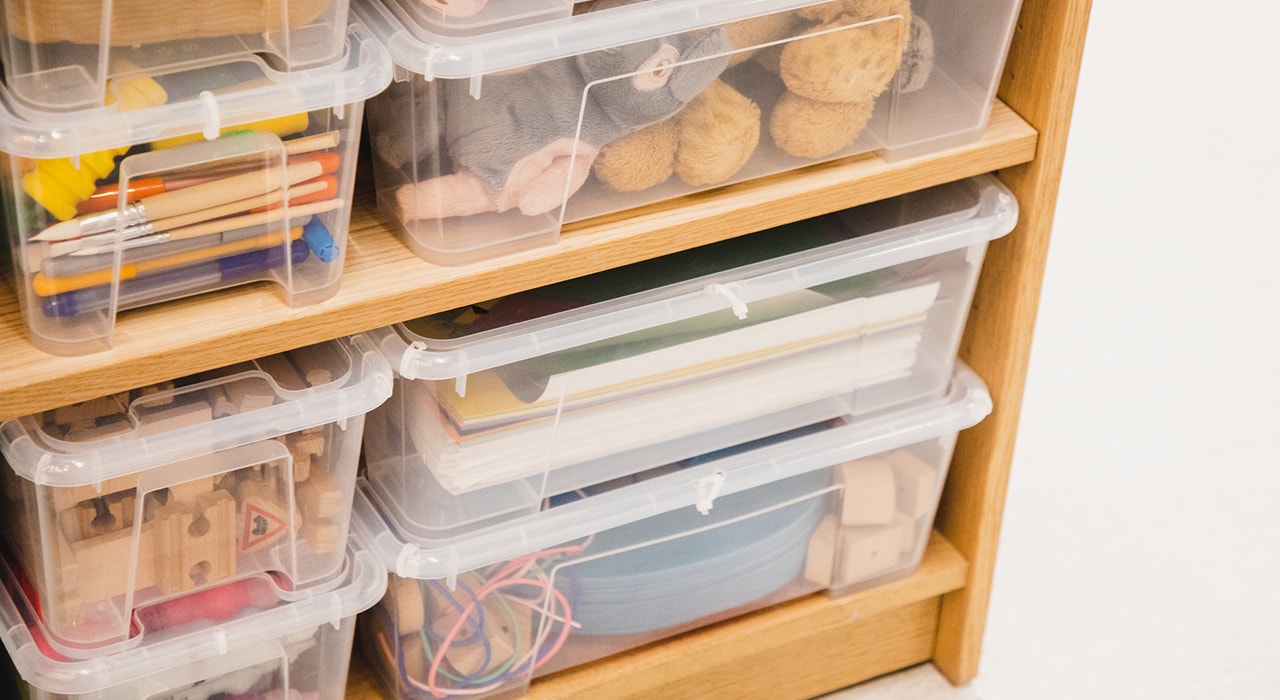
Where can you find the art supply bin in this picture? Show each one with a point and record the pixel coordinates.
(188, 181)
(488, 144)
(837, 506)
(130, 500)
(64, 55)
(501, 404)
(274, 643)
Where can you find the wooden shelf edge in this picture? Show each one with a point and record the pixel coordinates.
(385, 283)
(803, 647)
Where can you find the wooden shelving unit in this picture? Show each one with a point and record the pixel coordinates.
(795, 650)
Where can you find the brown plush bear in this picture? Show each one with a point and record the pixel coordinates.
(822, 87)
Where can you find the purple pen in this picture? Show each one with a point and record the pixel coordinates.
(179, 282)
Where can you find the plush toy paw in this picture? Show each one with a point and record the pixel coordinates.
(640, 160)
(719, 130)
(810, 129)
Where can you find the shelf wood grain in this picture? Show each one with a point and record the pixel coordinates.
(385, 283)
(806, 647)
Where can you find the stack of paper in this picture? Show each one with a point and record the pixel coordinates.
(513, 424)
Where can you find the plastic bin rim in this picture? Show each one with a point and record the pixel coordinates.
(365, 585)
(435, 55)
(966, 403)
(369, 385)
(363, 70)
(418, 357)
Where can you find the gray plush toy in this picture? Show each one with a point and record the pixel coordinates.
(521, 146)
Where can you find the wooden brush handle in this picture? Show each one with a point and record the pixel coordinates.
(226, 190)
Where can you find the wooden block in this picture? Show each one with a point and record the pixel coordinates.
(262, 515)
(111, 426)
(191, 491)
(69, 496)
(222, 405)
(286, 376)
(194, 545)
(318, 363)
(907, 526)
(87, 411)
(320, 496)
(406, 597)
(869, 495)
(866, 552)
(160, 394)
(97, 516)
(307, 443)
(820, 561)
(321, 535)
(249, 394)
(916, 484)
(173, 417)
(103, 565)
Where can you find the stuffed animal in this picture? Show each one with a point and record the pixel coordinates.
(822, 87)
(528, 142)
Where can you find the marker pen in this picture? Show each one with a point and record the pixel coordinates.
(176, 283)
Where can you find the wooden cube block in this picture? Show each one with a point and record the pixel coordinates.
(820, 561)
(866, 552)
(916, 484)
(869, 492)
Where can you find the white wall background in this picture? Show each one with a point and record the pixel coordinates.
(1140, 556)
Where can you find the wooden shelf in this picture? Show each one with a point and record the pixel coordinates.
(385, 283)
(798, 649)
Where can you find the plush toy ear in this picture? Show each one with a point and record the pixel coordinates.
(703, 61)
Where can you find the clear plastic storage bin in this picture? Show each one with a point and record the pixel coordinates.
(250, 639)
(134, 499)
(188, 181)
(490, 143)
(500, 404)
(619, 564)
(63, 55)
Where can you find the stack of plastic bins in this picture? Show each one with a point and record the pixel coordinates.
(179, 180)
(64, 55)
(501, 404)
(119, 504)
(489, 142)
(838, 506)
(253, 639)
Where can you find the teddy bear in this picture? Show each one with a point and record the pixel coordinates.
(529, 140)
(821, 86)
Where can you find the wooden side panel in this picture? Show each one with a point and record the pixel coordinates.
(1039, 83)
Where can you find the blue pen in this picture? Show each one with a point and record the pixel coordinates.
(320, 240)
(175, 283)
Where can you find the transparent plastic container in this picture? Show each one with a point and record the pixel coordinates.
(836, 506)
(276, 643)
(188, 181)
(62, 55)
(490, 143)
(131, 500)
(501, 404)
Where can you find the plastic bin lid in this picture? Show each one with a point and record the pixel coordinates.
(361, 583)
(437, 56)
(190, 108)
(699, 485)
(37, 457)
(867, 238)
